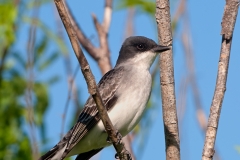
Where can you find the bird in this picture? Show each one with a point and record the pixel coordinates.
(125, 91)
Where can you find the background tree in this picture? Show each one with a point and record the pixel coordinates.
(40, 86)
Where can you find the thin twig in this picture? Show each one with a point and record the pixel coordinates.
(2, 61)
(30, 83)
(228, 23)
(191, 76)
(107, 15)
(127, 140)
(71, 87)
(200, 114)
(102, 54)
(70, 77)
(129, 31)
(182, 98)
(92, 87)
(129, 28)
(201, 117)
(167, 81)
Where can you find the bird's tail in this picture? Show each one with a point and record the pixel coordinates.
(56, 153)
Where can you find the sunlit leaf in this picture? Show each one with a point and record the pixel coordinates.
(50, 34)
(48, 61)
(145, 6)
(19, 59)
(40, 48)
(41, 103)
(53, 80)
(33, 4)
(7, 34)
(238, 149)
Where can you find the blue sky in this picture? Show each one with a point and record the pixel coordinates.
(205, 24)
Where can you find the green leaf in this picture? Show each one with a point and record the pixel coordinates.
(50, 34)
(19, 59)
(53, 80)
(14, 141)
(41, 103)
(7, 31)
(238, 149)
(33, 4)
(145, 6)
(40, 48)
(48, 61)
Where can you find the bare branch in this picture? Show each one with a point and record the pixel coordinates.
(102, 54)
(71, 90)
(70, 76)
(188, 50)
(87, 45)
(228, 23)
(167, 81)
(30, 84)
(92, 87)
(2, 61)
(107, 15)
(129, 28)
(127, 140)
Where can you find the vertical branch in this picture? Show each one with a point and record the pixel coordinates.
(102, 54)
(228, 23)
(127, 140)
(30, 84)
(201, 117)
(92, 87)
(70, 76)
(167, 81)
(129, 31)
(107, 15)
(102, 30)
(129, 28)
(2, 61)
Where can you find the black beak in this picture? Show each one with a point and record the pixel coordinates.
(159, 48)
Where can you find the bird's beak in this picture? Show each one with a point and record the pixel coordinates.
(159, 48)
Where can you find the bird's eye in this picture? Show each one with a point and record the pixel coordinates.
(140, 46)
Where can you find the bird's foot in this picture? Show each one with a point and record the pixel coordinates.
(118, 135)
(124, 155)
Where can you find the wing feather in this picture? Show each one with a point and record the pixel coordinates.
(89, 117)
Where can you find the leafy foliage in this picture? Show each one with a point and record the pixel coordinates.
(144, 6)
(7, 22)
(238, 149)
(15, 142)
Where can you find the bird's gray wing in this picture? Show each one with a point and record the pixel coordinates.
(89, 117)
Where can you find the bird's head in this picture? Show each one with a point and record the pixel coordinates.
(139, 50)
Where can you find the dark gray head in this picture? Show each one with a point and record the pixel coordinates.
(139, 48)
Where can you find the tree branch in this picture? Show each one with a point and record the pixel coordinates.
(107, 15)
(72, 90)
(102, 54)
(92, 87)
(167, 81)
(2, 61)
(228, 23)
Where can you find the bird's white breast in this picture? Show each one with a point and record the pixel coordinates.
(133, 93)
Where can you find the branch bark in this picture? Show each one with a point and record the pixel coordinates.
(228, 23)
(167, 81)
(114, 135)
(102, 54)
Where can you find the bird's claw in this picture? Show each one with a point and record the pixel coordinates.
(118, 135)
(124, 155)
